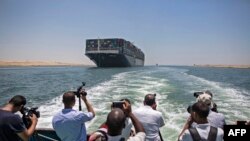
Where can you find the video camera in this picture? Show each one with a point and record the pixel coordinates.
(189, 109)
(241, 122)
(196, 94)
(78, 92)
(27, 112)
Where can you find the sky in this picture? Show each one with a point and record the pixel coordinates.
(169, 32)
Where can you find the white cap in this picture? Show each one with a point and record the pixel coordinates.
(206, 98)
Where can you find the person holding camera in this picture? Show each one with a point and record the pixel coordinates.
(214, 118)
(127, 130)
(202, 130)
(116, 121)
(150, 118)
(69, 124)
(12, 127)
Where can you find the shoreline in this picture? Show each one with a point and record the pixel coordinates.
(224, 66)
(37, 64)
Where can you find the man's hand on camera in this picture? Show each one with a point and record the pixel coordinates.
(33, 118)
(83, 94)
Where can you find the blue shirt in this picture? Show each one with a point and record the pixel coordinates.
(69, 124)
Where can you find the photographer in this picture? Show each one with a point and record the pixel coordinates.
(127, 130)
(203, 129)
(150, 118)
(215, 119)
(12, 127)
(69, 124)
(116, 121)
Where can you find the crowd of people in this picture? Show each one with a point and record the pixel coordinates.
(122, 124)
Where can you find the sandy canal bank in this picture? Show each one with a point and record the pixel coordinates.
(224, 66)
(36, 63)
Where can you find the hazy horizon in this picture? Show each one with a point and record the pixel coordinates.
(168, 32)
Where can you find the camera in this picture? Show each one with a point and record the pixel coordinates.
(241, 122)
(189, 109)
(118, 104)
(27, 112)
(78, 92)
(196, 94)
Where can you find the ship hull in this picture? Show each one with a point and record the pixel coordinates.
(114, 60)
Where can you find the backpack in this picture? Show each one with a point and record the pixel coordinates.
(211, 136)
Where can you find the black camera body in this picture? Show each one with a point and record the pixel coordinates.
(118, 104)
(189, 108)
(196, 94)
(241, 122)
(27, 112)
(78, 92)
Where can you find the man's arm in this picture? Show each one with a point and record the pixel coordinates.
(161, 121)
(28, 132)
(88, 105)
(186, 126)
(137, 124)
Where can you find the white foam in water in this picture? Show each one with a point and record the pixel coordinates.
(135, 84)
(47, 111)
(230, 101)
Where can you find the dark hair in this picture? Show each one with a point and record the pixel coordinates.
(18, 100)
(149, 99)
(115, 121)
(68, 98)
(201, 109)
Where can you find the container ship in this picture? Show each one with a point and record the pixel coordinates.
(114, 52)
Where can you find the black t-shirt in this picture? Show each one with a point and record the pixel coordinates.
(10, 125)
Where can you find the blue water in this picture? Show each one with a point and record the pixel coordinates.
(174, 86)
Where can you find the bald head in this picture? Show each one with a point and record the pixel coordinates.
(69, 99)
(115, 121)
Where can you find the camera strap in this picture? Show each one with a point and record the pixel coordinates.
(211, 136)
(105, 136)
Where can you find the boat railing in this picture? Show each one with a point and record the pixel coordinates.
(44, 134)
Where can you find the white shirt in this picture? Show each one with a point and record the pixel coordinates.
(216, 119)
(127, 129)
(151, 120)
(203, 130)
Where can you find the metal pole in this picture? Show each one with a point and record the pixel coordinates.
(160, 135)
(80, 107)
